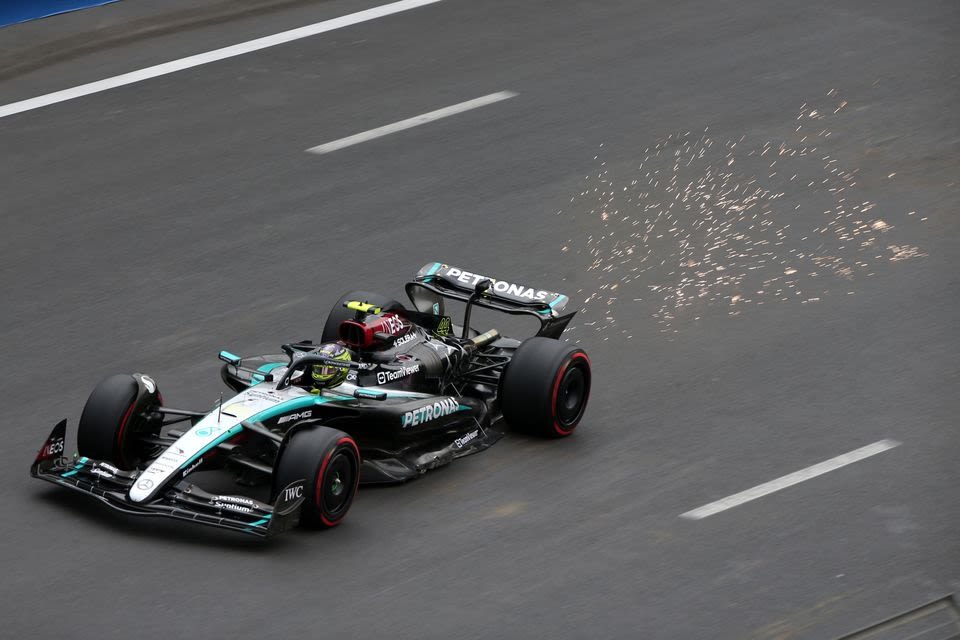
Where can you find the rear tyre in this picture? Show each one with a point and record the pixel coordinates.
(329, 461)
(120, 411)
(331, 330)
(545, 388)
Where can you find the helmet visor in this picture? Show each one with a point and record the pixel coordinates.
(326, 371)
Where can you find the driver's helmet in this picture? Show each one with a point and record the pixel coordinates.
(329, 375)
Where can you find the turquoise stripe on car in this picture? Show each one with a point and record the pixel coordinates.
(265, 368)
(556, 301)
(84, 460)
(436, 267)
(284, 407)
(259, 523)
(292, 405)
(229, 433)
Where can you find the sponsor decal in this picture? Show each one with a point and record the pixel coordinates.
(404, 339)
(234, 499)
(444, 327)
(499, 286)
(292, 493)
(103, 473)
(149, 383)
(229, 506)
(168, 457)
(162, 469)
(266, 396)
(384, 377)
(436, 308)
(52, 448)
(192, 467)
(352, 375)
(392, 324)
(440, 408)
(460, 442)
(210, 430)
(296, 416)
(145, 485)
(169, 461)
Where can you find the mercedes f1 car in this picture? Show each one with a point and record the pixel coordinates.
(420, 391)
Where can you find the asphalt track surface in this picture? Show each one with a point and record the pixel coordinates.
(147, 227)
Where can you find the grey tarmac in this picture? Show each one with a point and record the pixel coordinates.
(754, 202)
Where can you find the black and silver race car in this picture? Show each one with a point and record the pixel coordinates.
(420, 392)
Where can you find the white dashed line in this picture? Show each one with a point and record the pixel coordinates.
(211, 56)
(409, 123)
(790, 479)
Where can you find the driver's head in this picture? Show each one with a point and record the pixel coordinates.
(329, 375)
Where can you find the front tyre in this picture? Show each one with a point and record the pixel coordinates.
(329, 461)
(545, 388)
(118, 416)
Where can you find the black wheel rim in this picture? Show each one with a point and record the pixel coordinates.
(338, 484)
(571, 395)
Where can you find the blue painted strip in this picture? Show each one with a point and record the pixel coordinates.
(436, 267)
(14, 11)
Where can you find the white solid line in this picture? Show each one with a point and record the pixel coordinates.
(211, 56)
(790, 479)
(409, 123)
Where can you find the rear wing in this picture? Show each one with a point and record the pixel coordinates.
(436, 281)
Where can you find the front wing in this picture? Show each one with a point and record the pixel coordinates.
(181, 501)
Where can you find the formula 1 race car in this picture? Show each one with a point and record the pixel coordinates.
(419, 391)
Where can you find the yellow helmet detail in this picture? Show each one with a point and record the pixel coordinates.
(331, 375)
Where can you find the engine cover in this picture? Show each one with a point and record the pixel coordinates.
(375, 332)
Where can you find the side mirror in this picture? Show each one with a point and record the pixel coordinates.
(370, 394)
(229, 358)
(483, 286)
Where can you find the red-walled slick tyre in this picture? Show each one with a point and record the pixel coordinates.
(329, 461)
(545, 388)
(119, 412)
